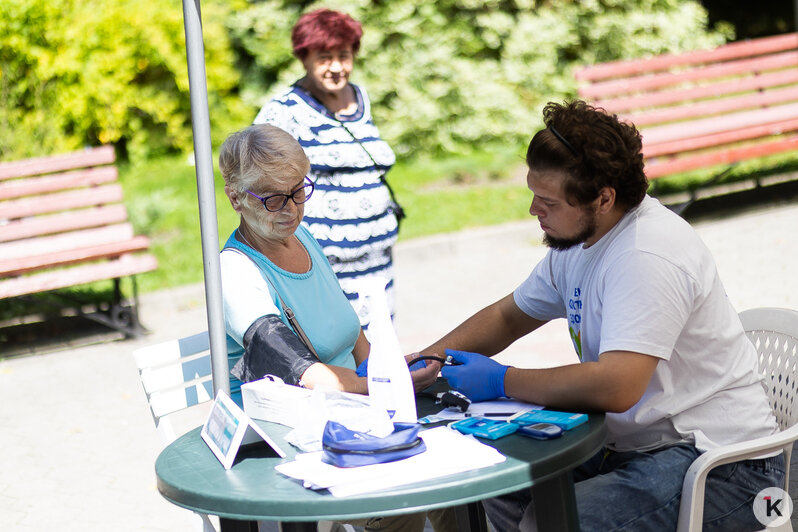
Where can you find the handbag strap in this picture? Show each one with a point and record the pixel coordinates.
(382, 174)
(287, 311)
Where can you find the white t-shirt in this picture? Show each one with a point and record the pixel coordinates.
(651, 286)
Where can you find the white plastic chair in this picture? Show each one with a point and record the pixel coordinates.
(774, 333)
(176, 375)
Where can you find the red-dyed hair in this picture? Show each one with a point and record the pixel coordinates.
(325, 29)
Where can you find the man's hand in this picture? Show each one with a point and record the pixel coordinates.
(478, 377)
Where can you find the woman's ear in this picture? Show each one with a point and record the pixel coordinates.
(232, 195)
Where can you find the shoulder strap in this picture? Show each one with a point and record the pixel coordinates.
(368, 153)
(289, 313)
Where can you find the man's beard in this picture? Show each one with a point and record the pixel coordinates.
(588, 229)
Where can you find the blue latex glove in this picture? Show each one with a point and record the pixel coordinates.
(363, 369)
(477, 377)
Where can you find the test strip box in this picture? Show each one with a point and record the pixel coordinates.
(565, 420)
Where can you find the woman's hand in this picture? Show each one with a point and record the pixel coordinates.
(423, 373)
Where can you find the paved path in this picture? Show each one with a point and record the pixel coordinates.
(77, 443)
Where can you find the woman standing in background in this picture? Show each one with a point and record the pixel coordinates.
(352, 214)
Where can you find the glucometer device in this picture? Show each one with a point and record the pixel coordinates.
(490, 429)
(540, 431)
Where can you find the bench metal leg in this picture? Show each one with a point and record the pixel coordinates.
(679, 208)
(115, 314)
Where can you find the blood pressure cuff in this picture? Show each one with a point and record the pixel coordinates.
(349, 448)
(272, 348)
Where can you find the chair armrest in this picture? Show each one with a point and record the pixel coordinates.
(691, 508)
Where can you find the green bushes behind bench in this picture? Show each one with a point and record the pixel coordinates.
(444, 76)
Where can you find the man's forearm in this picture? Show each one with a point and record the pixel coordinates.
(613, 384)
(489, 331)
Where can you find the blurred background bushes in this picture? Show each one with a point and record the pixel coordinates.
(76, 73)
(444, 77)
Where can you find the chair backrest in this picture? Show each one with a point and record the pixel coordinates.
(175, 375)
(774, 333)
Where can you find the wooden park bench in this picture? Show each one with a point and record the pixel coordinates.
(63, 224)
(704, 109)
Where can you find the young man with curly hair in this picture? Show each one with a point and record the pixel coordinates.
(662, 351)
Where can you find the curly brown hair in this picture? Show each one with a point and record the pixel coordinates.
(594, 148)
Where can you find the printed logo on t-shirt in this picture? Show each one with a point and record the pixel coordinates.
(575, 320)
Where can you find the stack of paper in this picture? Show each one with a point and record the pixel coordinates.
(270, 399)
(448, 452)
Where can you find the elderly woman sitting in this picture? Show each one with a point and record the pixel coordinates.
(271, 261)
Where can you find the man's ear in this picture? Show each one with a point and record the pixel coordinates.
(606, 200)
(232, 195)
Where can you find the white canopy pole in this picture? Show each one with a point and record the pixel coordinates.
(203, 154)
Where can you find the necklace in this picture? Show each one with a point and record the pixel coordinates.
(247, 242)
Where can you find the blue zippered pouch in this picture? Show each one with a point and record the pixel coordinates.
(348, 448)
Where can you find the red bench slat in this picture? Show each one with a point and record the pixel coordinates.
(615, 87)
(725, 52)
(58, 163)
(124, 266)
(21, 265)
(67, 221)
(62, 201)
(703, 92)
(719, 139)
(717, 124)
(65, 241)
(655, 169)
(19, 188)
(714, 107)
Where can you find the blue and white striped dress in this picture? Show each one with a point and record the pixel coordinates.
(349, 212)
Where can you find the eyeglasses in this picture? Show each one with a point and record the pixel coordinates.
(276, 202)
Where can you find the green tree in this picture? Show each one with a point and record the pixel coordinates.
(75, 73)
(446, 76)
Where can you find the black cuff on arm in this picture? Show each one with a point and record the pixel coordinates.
(271, 347)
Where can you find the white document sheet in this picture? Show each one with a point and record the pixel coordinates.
(448, 452)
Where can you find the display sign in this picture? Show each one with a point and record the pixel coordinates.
(228, 428)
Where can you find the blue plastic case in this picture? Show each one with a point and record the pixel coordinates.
(490, 429)
(565, 420)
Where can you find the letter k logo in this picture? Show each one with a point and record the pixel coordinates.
(772, 506)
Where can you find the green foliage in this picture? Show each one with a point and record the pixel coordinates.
(161, 197)
(76, 73)
(452, 75)
(444, 76)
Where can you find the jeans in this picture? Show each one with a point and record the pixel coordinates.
(638, 491)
